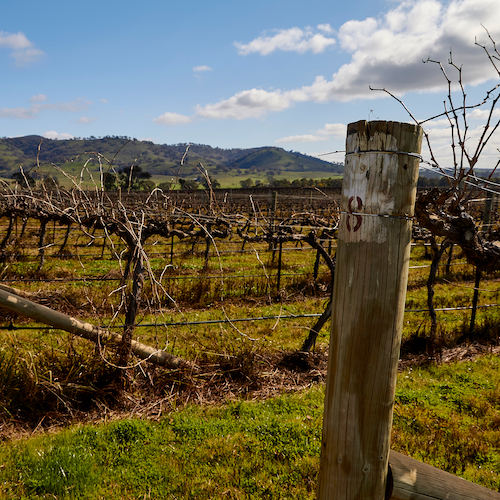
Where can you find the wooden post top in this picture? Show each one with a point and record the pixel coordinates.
(380, 177)
(384, 136)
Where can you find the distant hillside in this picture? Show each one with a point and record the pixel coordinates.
(157, 159)
(277, 159)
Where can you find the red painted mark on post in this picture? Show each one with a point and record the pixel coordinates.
(358, 217)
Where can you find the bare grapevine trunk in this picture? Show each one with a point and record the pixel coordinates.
(41, 243)
(132, 307)
(437, 253)
(65, 242)
(9, 232)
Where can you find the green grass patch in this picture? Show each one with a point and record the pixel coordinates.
(240, 450)
(447, 416)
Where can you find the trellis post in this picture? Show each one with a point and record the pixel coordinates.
(373, 251)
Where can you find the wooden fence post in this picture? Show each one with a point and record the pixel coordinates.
(373, 251)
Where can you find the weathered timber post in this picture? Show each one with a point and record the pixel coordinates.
(373, 251)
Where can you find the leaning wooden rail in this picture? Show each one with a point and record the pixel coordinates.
(410, 479)
(12, 301)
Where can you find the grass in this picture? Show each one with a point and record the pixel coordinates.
(231, 179)
(186, 278)
(448, 416)
(239, 450)
(58, 374)
(228, 180)
(248, 293)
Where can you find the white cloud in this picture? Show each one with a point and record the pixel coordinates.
(172, 119)
(16, 41)
(482, 114)
(202, 68)
(104, 101)
(337, 130)
(326, 28)
(293, 39)
(386, 52)
(27, 56)
(441, 139)
(252, 103)
(70, 107)
(38, 98)
(22, 50)
(334, 129)
(86, 119)
(52, 134)
(20, 113)
(301, 138)
(36, 107)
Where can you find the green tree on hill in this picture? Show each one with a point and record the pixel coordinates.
(188, 184)
(210, 182)
(50, 182)
(110, 181)
(24, 179)
(133, 178)
(247, 183)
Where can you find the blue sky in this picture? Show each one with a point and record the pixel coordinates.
(285, 73)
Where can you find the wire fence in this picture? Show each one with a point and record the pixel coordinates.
(12, 327)
(309, 267)
(191, 277)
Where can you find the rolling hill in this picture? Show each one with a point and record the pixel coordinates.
(159, 160)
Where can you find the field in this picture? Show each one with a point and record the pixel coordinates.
(84, 160)
(232, 285)
(228, 179)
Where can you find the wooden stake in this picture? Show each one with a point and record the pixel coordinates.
(373, 252)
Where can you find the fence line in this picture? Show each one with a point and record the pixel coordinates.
(237, 320)
(199, 277)
(462, 263)
(221, 276)
(459, 308)
(93, 256)
(211, 255)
